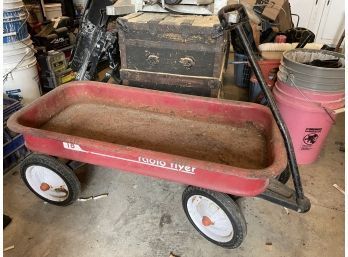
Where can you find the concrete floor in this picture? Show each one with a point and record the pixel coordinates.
(143, 216)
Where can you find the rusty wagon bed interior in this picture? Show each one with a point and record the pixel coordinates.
(241, 145)
(211, 130)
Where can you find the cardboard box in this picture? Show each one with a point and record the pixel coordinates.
(278, 11)
(274, 8)
(284, 19)
(268, 8)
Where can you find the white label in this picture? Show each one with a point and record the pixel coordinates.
(142, 160)
(73, 147)
(171, 165)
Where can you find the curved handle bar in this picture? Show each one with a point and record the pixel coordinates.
(226, 24)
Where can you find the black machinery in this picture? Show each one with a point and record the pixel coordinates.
(95, 43)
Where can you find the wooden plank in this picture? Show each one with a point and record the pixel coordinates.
(138, 19)
(146, 17)
(157, 18)
(131, 16)
(178, 20)
(174, 45)
(205, 21)
(196, 2)
(187, 24)
(196, 85)
(152, 75)
(122, 46)
(170, 19)
(220, 56)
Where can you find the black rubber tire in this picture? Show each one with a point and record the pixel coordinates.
(284, 176)
(60, 169)
(231, 209)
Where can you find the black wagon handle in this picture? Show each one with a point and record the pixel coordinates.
(232, 17)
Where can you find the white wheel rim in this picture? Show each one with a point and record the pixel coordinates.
(209, 218)
(47, 183)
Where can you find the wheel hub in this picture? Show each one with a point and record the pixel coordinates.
(47, 183)
(206, 221)
(44, 186)
(210, 218)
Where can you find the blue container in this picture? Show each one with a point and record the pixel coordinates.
(14, 25)
(255, 93)
(15, 158)
(12, 146)
(242, 72)
(14, 149)
(13, 12)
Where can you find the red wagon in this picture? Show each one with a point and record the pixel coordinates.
(222, 149)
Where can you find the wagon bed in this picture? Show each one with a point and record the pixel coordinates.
(241, 145)
(228, 146)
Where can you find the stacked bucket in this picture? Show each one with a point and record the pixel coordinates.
(309, 97)
(20, 74)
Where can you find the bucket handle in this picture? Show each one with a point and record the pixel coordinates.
(25, 21)
(5, 76)
(329, 112)
(26, 17)
(31, 47)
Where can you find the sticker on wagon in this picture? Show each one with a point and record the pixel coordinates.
(143, 160)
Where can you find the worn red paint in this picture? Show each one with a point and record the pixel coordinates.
(214, 176)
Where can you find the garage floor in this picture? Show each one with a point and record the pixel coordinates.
(143, 216)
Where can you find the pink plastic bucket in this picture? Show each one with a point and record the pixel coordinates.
(331, 100)
(308, 122)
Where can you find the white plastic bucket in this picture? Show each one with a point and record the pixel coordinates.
(53, 11)
(20, 59)
(8, 4)
(20, 52)
(22, 81)
(18, 44)
(14, 24)
(80, 6)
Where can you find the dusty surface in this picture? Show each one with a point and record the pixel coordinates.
(243, 146)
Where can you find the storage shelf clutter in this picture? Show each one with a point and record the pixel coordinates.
(19, 59)
(14, 149)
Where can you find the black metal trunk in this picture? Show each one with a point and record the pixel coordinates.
(178, 53)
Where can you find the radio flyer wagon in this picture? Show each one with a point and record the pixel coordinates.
(221, 149)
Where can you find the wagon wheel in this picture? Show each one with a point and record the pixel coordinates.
(50, 179)
(215, 215)
(284, 176)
